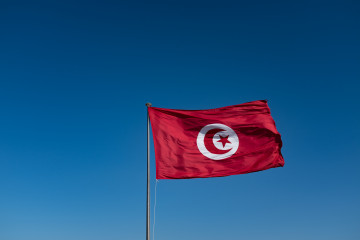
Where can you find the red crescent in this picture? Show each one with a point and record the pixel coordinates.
(209, 144)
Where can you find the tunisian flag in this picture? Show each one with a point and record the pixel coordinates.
(216, 142)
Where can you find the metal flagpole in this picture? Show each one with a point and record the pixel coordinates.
(148, 176)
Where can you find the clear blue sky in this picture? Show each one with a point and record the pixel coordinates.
(74, 80)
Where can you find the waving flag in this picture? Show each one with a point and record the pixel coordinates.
(216, 142)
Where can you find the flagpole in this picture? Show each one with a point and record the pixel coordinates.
(148, 176)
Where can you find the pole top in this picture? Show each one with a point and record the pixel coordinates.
(148, 104)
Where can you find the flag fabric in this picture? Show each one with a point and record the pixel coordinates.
(216, 142)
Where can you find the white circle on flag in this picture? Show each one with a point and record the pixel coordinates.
(224, 142)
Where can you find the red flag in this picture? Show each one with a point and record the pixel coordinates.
(216, 142)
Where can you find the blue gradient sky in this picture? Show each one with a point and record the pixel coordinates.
(74, 80)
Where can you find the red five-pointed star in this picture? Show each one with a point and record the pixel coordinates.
(224, 140)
